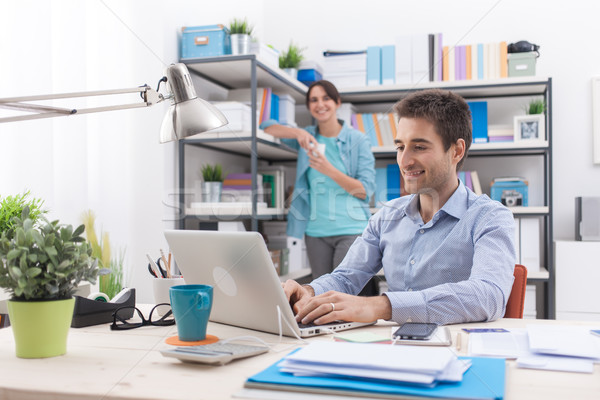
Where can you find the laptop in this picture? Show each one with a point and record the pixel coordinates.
(246, 288)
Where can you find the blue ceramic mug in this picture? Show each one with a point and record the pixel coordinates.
(191, 305)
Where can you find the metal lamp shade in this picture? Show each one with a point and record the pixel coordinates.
(189, 115)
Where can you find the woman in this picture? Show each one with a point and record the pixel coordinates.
(331, 195)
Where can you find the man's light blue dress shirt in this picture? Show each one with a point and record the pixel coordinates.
(456, 268)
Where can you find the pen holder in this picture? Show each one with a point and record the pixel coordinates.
(161, 287)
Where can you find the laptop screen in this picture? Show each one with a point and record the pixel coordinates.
(247, 289)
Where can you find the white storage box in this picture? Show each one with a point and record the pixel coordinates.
(287, 109)
(345, 111)
(265, 53)
(238, 114)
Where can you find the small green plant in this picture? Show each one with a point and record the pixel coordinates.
(212, 173)
(292, 57)
(112, 283)
(13, 206)
(240, 26)
(45, 262)
(536, 107)
(111, 272)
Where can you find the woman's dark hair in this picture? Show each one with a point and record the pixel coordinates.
(448, 112)
(328, 87)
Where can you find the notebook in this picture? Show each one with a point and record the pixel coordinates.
(247, 289)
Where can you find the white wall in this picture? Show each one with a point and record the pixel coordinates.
(112, 163)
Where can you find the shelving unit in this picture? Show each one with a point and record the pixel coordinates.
(243, 71)
(507, 88)
(233, 72)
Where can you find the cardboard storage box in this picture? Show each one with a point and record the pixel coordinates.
(522, 64)
(205, 41)
(510, 193)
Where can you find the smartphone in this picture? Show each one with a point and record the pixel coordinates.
(415, 330)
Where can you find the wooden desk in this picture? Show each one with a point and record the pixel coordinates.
(102, 364)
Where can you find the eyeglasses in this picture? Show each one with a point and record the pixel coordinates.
(160, 315)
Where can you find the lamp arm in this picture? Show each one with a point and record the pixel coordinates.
(149, 96)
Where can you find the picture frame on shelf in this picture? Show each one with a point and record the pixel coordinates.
(530, 128)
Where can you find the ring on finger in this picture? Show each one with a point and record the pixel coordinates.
(332, 307)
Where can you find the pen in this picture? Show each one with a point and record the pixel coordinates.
(169, 266)
(165, 263)
(154, 266)
(458, 341)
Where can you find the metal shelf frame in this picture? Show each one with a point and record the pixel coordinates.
(239, 71)
(233, 72)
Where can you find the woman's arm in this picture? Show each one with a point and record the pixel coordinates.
(305, 139)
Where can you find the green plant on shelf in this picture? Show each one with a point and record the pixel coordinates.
(292, 57)
(537, 106)
(212, 173)
(240, 27)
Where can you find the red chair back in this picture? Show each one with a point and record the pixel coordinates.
(516, 300)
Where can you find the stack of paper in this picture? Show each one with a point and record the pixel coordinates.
(485, 379)
(407, 364)
(548, 347)
(345, 68)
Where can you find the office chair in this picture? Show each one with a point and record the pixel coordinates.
(516, 300)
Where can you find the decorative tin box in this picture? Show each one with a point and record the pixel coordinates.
(511, 193)
(205, 41)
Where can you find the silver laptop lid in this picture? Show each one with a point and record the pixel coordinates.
(247, 289)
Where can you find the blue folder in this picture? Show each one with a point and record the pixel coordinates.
(393, 181)
(484, 380)
(373, 65)
(380, 186)
(479, 113)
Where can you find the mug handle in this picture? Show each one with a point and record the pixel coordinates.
(202, 300)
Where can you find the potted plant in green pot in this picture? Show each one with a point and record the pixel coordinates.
(212, 183)
(41, 267)
(12, 206)
(290, 60)
(240, 34)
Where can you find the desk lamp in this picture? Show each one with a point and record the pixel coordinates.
(187, 116)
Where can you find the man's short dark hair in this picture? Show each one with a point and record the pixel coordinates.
(448, 112)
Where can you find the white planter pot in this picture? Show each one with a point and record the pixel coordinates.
(293, 72)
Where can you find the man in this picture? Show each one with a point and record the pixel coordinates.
(447, 254)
